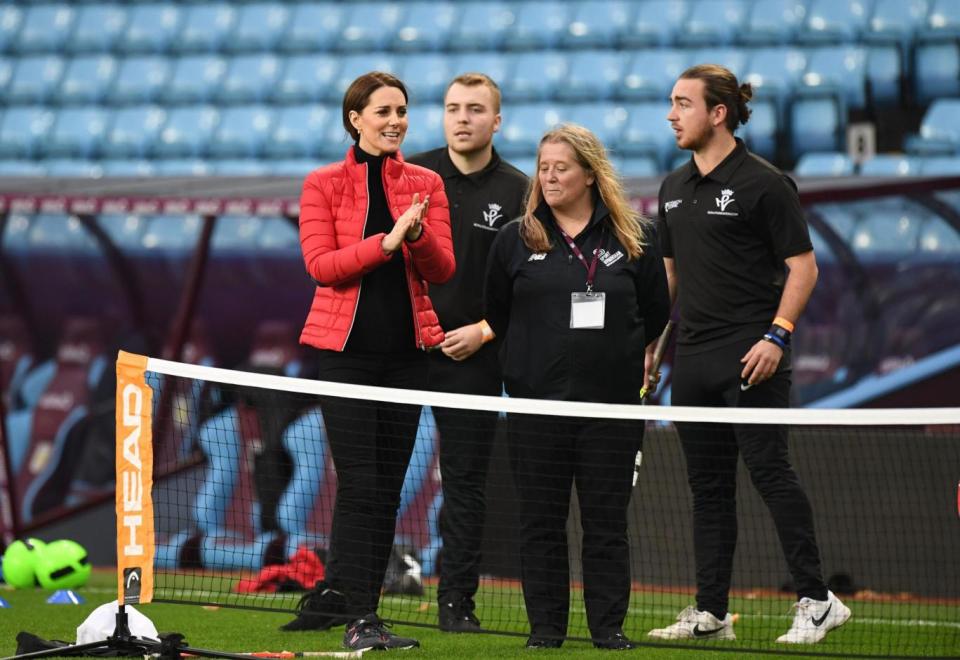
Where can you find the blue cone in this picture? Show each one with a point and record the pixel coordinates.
(65, 597)
(3, 603)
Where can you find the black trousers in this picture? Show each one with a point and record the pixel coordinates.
(712, 378)
(548, 455)
(371, 443)
(466, 442)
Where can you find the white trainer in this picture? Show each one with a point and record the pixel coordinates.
(813, 619)
(694, 624)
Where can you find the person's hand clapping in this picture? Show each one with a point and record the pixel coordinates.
(408, 226)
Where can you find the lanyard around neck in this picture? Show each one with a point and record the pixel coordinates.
(592, 267)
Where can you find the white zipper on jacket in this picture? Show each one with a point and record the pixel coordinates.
(366, 216)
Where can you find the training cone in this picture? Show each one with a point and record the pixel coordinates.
(66, 597)
(3, 603)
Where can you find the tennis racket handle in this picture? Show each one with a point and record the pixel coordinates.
(658, 351)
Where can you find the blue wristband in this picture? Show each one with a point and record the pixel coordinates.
(773, 339)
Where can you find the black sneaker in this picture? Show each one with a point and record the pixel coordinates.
(535, 642)
(372, 633)
(615, 642)
(458, 617)
(321, 608)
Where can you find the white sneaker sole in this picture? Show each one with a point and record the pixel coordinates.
(836, 623)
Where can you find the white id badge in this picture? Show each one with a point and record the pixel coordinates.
(586, 310)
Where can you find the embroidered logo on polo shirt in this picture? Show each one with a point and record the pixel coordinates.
(537, 256)
(609, 259)
(490, 216)
(723, 201)
(672, 204)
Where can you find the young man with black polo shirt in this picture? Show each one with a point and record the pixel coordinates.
(484, 193)
(738, 256)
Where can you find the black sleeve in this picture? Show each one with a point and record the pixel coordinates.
(653, 297)
(498, 286)
(784, 221)
(663, 234)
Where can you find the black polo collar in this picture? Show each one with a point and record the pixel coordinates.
(448, 170)
(544, 213)
(722, 172)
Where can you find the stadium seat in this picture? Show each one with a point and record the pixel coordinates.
(939, 130)
(885, 229)
(657, 23)
(6, 72)
(292, 167)
(938, 238)
(260, 26)
(837, 69)
(597, 23)
(524, 125)
(889, 165)
(35, 79)
(647, 132)
(775, 73)
(936, 71)
(239, 167)
(151, 28)
(306, 78)
(45, 28)
(178, 167)
(884, 75)
(897, 22)
(139, 79)
(72, 168)
(241, 132)
(495, 65)
(940, 166)
(16, 356)
(732, 57)
(606, 120)
(773, 22)
(537, 25)
(652, 73)
(249, 78)
(639, 166)
(713, 22)
(426, 129)
(23, 130)
(10, 168)
(11, 18)
(943, 21)
(369, 26)
(761, 133)
(86, 79)
(592, 75)
(835, 21)
(299, 131)
(824, 164)
(187, 132)
(77, 132)
(133, 131)
(425, 75)
(313, 26)
(195, 79)
(127, 168)
(204, 28)
(424, 26)
(536, 76)
(354, 65)
(816, 125)
(481, 26)
(97, 28)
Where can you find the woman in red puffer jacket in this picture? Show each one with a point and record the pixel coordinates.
(373, 230)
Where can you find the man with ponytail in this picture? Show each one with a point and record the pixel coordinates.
(738, 256)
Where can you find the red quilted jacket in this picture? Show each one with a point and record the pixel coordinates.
(333, 212)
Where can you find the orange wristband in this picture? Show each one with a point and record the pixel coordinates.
(783, 323)
(486, 331)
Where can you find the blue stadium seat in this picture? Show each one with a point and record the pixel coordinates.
(639, 166)
(897, 22)
(369, 26)
(535, 76)
(657, 23)
(592, 75)
(732, 57)
(773, 22)
(127, 168)
(651, 74)
(97, 28)
(426, 129)
(69, 167)
(45, 28)
(77, 132)
(884, 74)
(937, 71)
(35, 79)
(242, 131)
(6, 74)
(21, 168)
(187, 132)
(425, 26)
(183, 167)
(205, 28)
(355, 65)
(426, 76)
(538, 24)
(606, 120)
(23, 130)
(940, 166)
(11, 18)
(647, 132)
(133, 131)
(139, 79)
(299, 131)
(86, 79)
(150, 28)
(306, 78)
(313, 26)
(240, 167)
(761, 132)
(939, 129)
(816, 125)
(259, 26)
(775, 73)
(481, 26)
(943, 21)
(524, 125)
(249, 78)
(938, 238)
(821, 163)
(495, 65)
(837, 69)
(195, 79)
(890, 165)
(835, 21)
(597, 23)
(713, 22)
(294, 167)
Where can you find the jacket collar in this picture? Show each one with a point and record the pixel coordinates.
(544, 214)
(393, 164)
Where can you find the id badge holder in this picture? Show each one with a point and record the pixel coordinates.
(586, 310)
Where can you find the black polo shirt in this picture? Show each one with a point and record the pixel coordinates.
(729, 233)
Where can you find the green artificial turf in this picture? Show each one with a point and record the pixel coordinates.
(878, 628)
